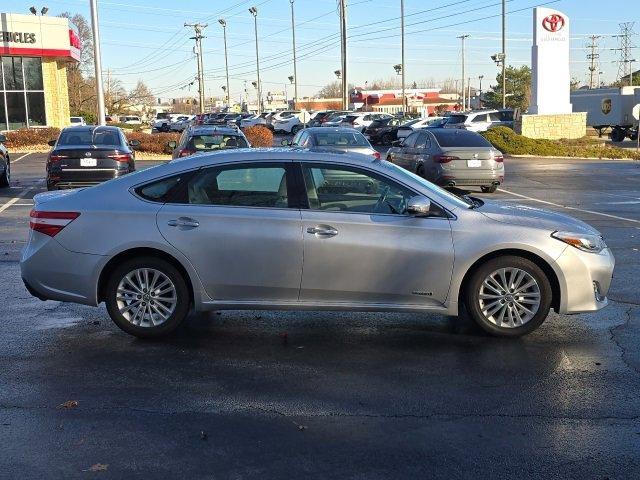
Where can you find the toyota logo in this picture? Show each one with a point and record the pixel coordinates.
(87, 154)
(553, 23)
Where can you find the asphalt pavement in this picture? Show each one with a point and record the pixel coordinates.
(330, 395)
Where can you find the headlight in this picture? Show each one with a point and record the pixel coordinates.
(582, 241)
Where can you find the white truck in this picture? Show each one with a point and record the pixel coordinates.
(609, 108)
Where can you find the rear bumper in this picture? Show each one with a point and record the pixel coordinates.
(51, 272)
(72, 178)
(446, 176)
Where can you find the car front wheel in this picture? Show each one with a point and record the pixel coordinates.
(508, 296)
(147, 297)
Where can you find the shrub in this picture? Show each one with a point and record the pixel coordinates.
(259, 136)
(153, 142)
(30, 137)
(509, 142)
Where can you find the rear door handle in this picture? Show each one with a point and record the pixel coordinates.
(322, 231)
(184, 222)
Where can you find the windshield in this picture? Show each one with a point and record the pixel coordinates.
(460, 138)
(216, 142)
(454, 119)
(402, 173)
(97, 136)
(341, 139)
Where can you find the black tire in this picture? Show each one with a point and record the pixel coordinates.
(52, 186)
(489, 189)
(5, 178)
(387, 138)
(182, 297)
(471, 296)
(617, 135)
(295, 129)
(420, 171)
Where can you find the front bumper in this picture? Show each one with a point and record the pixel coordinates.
(586, 280)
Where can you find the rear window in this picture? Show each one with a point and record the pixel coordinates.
(216, 142)
(453, 119)
(161, 190)
(350, 118)
(97, 136)
(341, 139)
(459, 138)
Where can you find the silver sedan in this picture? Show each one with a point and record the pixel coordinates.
(294, 230)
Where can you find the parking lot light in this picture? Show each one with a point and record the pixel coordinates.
(254, 11)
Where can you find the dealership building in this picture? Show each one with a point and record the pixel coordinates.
(34, 54)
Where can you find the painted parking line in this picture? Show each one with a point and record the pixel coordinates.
(20, 158)
(15, 200)
(546, 202)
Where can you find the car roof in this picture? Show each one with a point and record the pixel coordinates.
(330, 130)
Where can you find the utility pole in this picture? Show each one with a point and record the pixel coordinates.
(469, 92)
(463, 38)
(295, 71)
(593, 58)
(404, 98)
(480, 77)
(254, 11)
(504, 54)
(626, 46)
(198, 27)
(343, 53)
(223, 22)
(97, 60)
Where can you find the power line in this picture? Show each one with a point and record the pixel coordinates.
(626, 45)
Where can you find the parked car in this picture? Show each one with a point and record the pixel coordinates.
(238, 230)
(77, 121)
(361, 120)
(335, 120)
(481, 120)
(286, 122)
(5, 163)
(180, 123)
(416, 124)
(215, 119)
(131, 120)
(88, 155)
(204, 138)
(384, 131)
(320, 117)
(341, 139)
(450, 158)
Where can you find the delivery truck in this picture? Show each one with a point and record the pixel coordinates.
(609, 108)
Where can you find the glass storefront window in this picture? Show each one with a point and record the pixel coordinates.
(21, 93)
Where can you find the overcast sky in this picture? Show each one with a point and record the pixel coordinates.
(147, 40)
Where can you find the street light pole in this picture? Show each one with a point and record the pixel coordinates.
(404, 98)
(226, 61)
(504, 54)
(463, 38)
(295, 72)
(343, 38)
(480, 77)
(97, 61)
(254, 12)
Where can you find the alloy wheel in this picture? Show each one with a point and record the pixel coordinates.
(509, 297)
(146, 297)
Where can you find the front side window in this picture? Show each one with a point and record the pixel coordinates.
(411, 140)
(240, 186)
(347, 189)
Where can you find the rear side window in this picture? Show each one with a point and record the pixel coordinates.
(459, 138)
(456, 119)
(480, 118)
(161, 191)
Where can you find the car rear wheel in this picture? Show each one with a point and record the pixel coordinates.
(295, 129)
(489, 189)
(147, 297)
(508, 296)
(387, 138)
(420, 171)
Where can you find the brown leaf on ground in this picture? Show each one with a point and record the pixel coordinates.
(98, 467)
(69, 404)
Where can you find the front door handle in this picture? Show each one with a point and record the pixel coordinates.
(184, 222)
(322, 231)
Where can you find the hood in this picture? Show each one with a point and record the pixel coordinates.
(534, 217)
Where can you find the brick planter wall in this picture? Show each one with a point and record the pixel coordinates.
(553, 127)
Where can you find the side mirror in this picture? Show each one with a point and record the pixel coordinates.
(419, 206)
(172, 144)
(2, 138)
(51, 143)
(285, 143)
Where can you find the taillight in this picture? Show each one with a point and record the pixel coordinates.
(121, 157)
(499, 158)
(377, 155)
(444, 158)
(51, 223)
(57, 158)
(185, 153)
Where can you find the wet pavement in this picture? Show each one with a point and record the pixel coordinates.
(330, 395)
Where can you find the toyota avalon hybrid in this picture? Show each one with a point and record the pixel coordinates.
(294, 229)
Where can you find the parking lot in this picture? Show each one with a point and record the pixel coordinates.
(330, 395)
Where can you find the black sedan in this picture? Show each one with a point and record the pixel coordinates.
(88, 155)
(383, 131)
